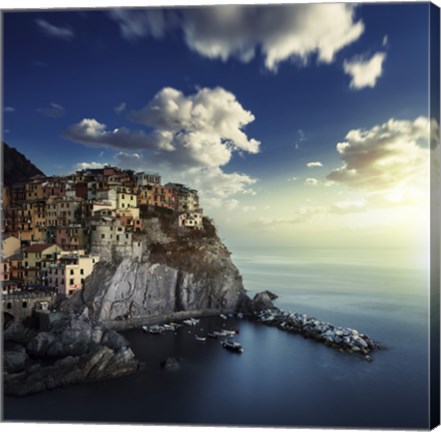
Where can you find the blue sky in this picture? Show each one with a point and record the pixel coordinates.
(279, 88)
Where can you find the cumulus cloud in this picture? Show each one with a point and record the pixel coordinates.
(119, 109)
(365, 73)
(89, 165)
(53, 111)
(203, 129)
(200, 129)
(314, 164)
(311, 181)
(190, 138)
(385, 156)
(54, 31)
(279, 32)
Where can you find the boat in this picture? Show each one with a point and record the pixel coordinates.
(154, 329)
(232, 346)
(200, 338)
(191, 321)
(223, 316)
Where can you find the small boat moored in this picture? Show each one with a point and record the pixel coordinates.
(232, 346)
(200, 338)
(191, 322)
(154, 329)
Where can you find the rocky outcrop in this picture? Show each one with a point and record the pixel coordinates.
(340, 338)
(172, 274)
(75, 349)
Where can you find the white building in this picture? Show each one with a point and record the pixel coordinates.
(192, 220)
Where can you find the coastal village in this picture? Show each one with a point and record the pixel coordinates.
(55, 226)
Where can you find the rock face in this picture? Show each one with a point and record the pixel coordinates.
(172, 273)
(75, 349)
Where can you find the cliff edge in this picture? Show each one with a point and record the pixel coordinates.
(167, 272)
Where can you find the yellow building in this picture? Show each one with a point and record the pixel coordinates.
(70, 272)
(35, 261)
(126, 200)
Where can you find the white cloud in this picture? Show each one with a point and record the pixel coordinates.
(8, 109)
(293, 178)
(200, 129)
(365, 73)
(386, 156)
(203, 129)
(54, 110)
(89, 165)
(279, 32)
(120, 108)
(385, 40)
(54, 31)
(310, 181)
(314, 164)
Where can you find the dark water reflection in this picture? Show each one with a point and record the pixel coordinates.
(281, 379)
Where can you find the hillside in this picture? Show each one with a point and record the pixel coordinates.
(16, 167)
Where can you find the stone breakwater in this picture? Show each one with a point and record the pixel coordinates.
(340, 338)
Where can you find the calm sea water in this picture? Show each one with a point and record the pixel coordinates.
(281, 379)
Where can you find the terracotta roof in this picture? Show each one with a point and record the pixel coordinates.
(39, 247)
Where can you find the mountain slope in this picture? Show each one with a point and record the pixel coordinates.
(16, 167)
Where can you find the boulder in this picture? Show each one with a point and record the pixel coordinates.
(263, 300)
(40, 344)
(170, 363)
(14, 359)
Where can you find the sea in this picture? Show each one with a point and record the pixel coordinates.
(281, 379)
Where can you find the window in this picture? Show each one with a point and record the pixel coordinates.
(25, 304)
(9, 306)
(127, 236)
(103, 236)
(82, 271)
(71, 281)
(71, 271)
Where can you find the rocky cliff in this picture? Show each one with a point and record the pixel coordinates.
(166, 272)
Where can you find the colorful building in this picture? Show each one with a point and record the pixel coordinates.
(70, 271)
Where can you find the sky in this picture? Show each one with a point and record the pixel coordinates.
(300, 125)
